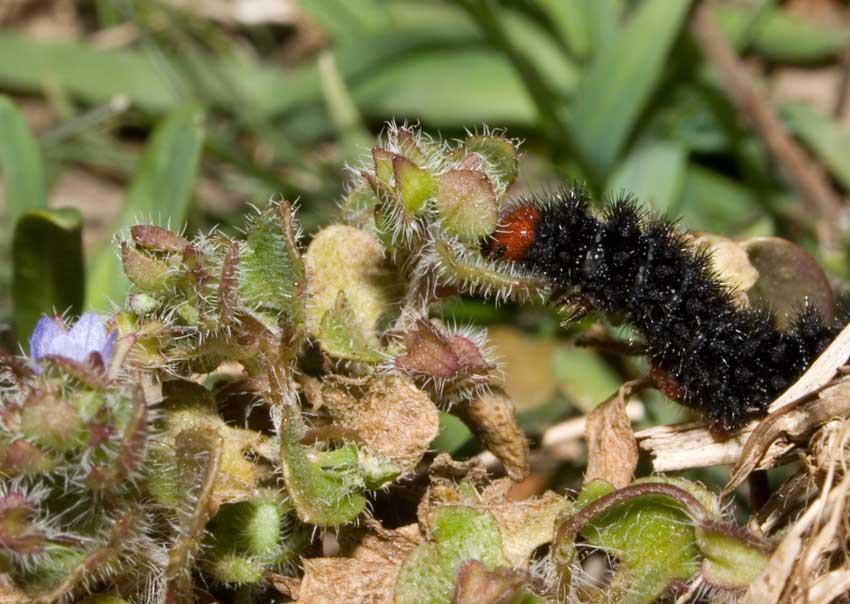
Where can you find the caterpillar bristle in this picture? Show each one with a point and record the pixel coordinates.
(724, 360)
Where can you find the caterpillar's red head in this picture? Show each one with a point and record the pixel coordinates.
(515, 234)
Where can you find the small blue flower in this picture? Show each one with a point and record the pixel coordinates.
(88, 336)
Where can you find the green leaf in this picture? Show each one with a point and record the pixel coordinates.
(97, 76)
(653, 173)
(618, 84)
(416, 186)
(340, 335)
(20, 164)
(47, 256)
(527, 34)
(665, 549)
(824, 136)
(272, 272)
(458, 533)
(326, 487)
(467, 205)
(501, 156)
(782, 36)
(729, 560)
(161, 189)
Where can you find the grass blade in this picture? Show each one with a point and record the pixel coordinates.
(160, 191)
(47, 256)
(619, 82)
(20, 164)
(653, 173)
(825, 137)
(583, 25)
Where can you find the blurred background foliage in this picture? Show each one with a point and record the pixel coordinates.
(188, 112)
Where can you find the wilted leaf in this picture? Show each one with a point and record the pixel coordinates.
(612, 452)
(478, 585)
(789, 278)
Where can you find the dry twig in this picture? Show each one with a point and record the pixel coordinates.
(806, 175)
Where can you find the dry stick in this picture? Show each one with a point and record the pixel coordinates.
(839, 109)
(806, 175)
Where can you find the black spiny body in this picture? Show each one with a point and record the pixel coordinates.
(726, 361)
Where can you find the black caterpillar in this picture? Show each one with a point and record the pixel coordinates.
(706, 351)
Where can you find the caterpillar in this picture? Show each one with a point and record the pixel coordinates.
(706, 351)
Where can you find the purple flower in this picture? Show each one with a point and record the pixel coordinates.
(88, 337)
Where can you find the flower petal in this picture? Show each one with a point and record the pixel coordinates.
(46, 331)
(88, 334)
(108, 347)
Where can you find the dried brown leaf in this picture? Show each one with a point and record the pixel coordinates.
(492, 418)
(389, 414)
(525, 525)
(366, 575)
(335, 580)
(769, 587)
(790, 424)
(612, 452)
